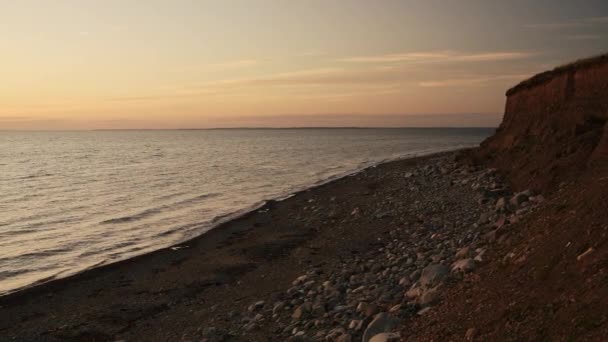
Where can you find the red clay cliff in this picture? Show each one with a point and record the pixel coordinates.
(547, 280)
(554, 127)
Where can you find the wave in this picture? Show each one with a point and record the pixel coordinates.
(153, 211)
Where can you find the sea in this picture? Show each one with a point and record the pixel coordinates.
(71, 201)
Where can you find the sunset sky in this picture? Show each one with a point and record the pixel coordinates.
(185, 64)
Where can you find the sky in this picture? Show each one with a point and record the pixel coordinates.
(132, 64)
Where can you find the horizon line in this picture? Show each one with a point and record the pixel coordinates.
(244, 128)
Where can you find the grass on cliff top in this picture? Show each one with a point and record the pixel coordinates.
(562, 69)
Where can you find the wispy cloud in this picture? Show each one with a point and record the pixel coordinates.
(442, 56)
(470, 81)
(583, 37)
(573, 23)
(319, 76)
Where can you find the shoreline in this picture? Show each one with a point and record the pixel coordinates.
(322, 264)
(171, 291)
(221, 220)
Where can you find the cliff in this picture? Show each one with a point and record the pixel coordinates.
(553, 127)
(545, 278)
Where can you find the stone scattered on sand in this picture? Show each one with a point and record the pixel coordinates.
(406, 271)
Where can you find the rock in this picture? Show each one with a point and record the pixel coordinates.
(494, 193)
(424, 311)
(355, 324)
(480, 255)
(519, 198)
(256, 306)
(462, 253)
(301, 311)
(414, 292)
(318, 309)
(335, 333)
(429, 297)
(395, 308)
(433, 275)
(502, 220)
(501, 204)
(382, 323)
(490, 236)
(484, 218)
(463, 265)
(405, 282)
(278, 307)
(344, 338)
(386, 337)
(469, 336)
(359, 289)
(537, 199)
(367, 309)
(299, 280)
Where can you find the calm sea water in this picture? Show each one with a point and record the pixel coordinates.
(74, 200)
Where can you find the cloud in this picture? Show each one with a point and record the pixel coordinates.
(321, 76)
(574, 23)
(583, 37)
(443, 56)
(470, 81)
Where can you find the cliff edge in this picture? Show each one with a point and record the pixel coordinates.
(554, 126)
(546, 277)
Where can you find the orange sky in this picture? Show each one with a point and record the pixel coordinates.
(185, 64)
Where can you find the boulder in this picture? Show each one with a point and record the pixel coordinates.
(433, 275)
(382, 323)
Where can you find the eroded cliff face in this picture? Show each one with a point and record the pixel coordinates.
(554, 127)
